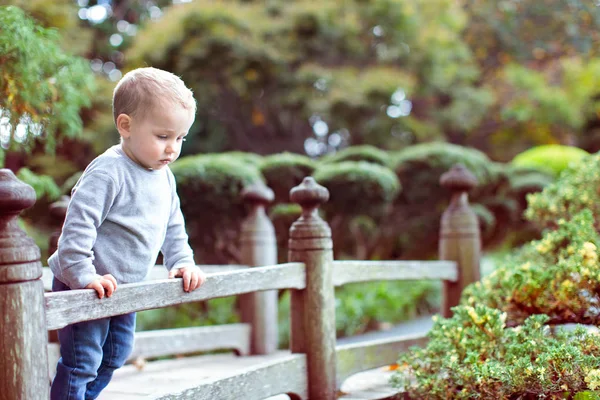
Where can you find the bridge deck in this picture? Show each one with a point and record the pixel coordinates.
(175, 375)
(167, 376)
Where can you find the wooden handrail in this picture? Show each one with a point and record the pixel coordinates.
(156, 273)
(68, 307)
(362, 271)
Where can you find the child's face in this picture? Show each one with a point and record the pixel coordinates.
(153, 140)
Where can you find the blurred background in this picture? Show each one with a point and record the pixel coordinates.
(375, 99)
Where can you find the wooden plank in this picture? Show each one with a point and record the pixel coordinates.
(68, 307)
(357, 357)
(286, 375)
(164, 342)
(362, 271)
(156, 273)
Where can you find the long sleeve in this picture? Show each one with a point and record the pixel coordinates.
(91, 201)
(176, 250)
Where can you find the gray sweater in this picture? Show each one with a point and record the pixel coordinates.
(120, 216)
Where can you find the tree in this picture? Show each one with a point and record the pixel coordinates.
(269, 77)
(42, 89)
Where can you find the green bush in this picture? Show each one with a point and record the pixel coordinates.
(357, 188)
(284, 171)
(552, 158)
(575, 190)
(420, 167)
(210, 191)
(360, 153)
(475, 354)
(498, 198)
(558, 276)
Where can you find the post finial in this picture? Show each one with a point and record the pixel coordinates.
(258, 193)
(17, 250)
(309, 194)
(458, 179)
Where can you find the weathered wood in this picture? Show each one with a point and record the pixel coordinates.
(164, 342)
(459, 236)
(258, 247)
(172, 342)
(357, 357)
(282, 376)
(362, 271)
(68, 307)
(313, 309)
(23, 339)
(158, 272)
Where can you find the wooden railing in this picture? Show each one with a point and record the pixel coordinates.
(315, 369)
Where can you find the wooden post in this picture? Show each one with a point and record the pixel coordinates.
(23, 335)
(259, 248)
(313, 309)
(58, 211)
(459, 235)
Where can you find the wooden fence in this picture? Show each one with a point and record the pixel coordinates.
(315, 368)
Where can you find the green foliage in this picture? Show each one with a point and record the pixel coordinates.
(360, 153)
(551, 158)
(364, 307)
(210, 191)
(41, 87)
(420, 167)
(263, 71)
(418, 209)
(475, 353)
(212, 312)
(557, 275)
(574, 191)
(42, 184)
(357, 188)
(284, 171)
(503, 32)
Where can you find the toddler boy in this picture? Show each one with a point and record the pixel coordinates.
(124, 210)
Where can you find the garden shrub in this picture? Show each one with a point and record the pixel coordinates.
(361, 194)
(357, 188)
(245, 157)
(284, 171)
(576, 189)
(552, 158)
(558, 275)
(420, 167)
(474, 355)
(210, 189)
(418, 209)
(366, 153)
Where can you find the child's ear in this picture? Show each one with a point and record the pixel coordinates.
(124, 125)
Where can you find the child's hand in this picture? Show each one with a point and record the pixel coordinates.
(193, 277)
(103, 284)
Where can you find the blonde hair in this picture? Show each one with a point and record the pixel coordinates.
(142, 89)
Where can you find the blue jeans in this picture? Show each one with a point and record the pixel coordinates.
(90, 352)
